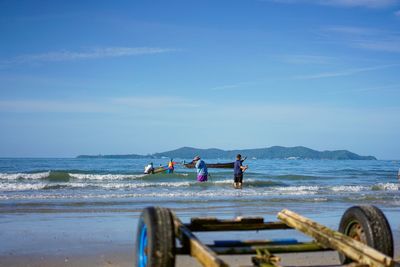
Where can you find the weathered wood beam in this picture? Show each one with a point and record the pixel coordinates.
(195, 248)
(355, 250)
(238, 224)
(251, 249)
(265, 258)
(355, 264)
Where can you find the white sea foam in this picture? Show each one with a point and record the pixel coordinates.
(206, 194)
(359, 188)
(295, 190)
(81, 176)
(320, 199)
(6, 187)
(348, 188)
(227, 181)
(300, 188)
(389, 186)
(105, 176)
(142, 185)
(15, 176)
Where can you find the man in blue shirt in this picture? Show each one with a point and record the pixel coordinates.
(202, 173)
(238, 170)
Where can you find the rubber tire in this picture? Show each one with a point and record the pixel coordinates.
(160, 237)
(375, 226)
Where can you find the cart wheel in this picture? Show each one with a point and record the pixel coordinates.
(155, 242)
(368, 225)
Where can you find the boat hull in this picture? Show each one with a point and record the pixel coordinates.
(228, 165)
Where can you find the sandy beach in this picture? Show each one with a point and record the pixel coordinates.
(109, 240)
(124, 258)
(87, 214)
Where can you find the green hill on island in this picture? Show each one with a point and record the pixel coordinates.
(274, 152)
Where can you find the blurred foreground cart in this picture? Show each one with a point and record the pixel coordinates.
(364, 238)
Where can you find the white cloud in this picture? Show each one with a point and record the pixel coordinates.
(225, 87)
(308, 117)
(360, 3)
(154, 102)
(346, 72)
(342, 3)
(287, 118)
(94, 53)
(380, 89)
(306, 59)
(113, 105)
(232, 86)
(365, 38)
(383, 46)
(57, 106)
(352, 30)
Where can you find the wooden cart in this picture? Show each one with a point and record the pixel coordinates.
(364, 238)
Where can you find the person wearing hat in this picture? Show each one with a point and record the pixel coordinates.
(202, 173)
(238, 170)
(149, 169)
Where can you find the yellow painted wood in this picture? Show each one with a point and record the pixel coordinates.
(355, 250)
(202, 253)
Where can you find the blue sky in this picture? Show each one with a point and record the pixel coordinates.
(116, 77)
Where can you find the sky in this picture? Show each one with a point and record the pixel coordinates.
(120, 77)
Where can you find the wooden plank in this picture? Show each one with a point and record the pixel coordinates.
(355, 250)
(238, 224)
(242, 250)
(355, 264)
(207, 220)
(195, 248)
(265, 258)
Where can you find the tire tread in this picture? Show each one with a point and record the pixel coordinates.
(375, 225)
(161, 236)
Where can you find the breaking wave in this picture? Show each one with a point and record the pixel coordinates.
(66, 176)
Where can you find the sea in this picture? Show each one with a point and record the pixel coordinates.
(56, 194)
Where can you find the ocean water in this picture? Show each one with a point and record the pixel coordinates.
(68, 181)
(57, 190)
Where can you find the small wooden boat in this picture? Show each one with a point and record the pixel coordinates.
(159, 169)
(228, 165)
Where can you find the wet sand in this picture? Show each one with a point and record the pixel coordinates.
(109, 240)
(124, 257)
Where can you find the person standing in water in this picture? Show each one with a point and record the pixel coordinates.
(238, 170)
(171, 167)
(202, 172)
(149, 169)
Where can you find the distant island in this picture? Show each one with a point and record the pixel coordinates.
(274, 152)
